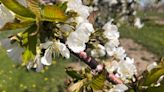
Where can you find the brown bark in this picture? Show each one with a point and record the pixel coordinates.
(94, 65)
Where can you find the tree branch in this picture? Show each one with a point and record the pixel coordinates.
(93, 64)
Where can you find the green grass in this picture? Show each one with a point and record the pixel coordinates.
(18, 79)
(146, 14)
(150, 36)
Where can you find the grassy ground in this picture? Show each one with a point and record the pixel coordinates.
(150, 14)
(17, 79)
(150, 36)
(14, 78)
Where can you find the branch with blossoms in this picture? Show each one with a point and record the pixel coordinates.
(46, 30)
(93, 64)
(63, 28)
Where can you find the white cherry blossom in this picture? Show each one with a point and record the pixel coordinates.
(35, 64)
(77, 39)
(77, 6)
(63, 50)
(99, 51)
(5, 16)
(111, 31)
(22, 2)
(109, 26)
(66, 28)
(75, 43)
(39, 65)
(126, 68)
(110, 50)
(151, 66)
(113, 43)
(80, 19)
(138, 23)
(111, 2)
(119, 53)
(85, 27)
(29, 65)
(47, 58)
(95, 2)
(46, 44)
(111, 34)
(14, 51)
(112, 66)
(119, 88)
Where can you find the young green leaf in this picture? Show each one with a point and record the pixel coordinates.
(27, 56)
(73, 74)
(63, 6)
(16, 26)
(53, 13)
(153, 76)
(98, 82)
(29, 43)
(34, 7)
(155, 89)
(17, 8)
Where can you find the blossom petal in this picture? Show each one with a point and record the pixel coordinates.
(46, 44)
(127, 68)
(75, 43)
(63, 50)
(99, 51)
(119, 88)
(151, 66)
(47, 58)
(5, 16)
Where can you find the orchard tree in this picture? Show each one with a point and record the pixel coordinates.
(48, 29)
(119, 11)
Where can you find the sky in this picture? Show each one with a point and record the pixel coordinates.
(146, 1)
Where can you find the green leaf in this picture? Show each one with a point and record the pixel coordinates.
(63, 6)
(161, 64)
(17, 8)
(27, 56)
(98, 82)
(153, 76)
(53, 13)
(32, 40)
(34, 7)
(15, 26)
(156, 89)
(73, 74)
(29, 43)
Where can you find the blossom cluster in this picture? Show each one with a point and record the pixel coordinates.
(76, 41)
(121, 63)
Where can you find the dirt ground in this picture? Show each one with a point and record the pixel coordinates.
(141, 56)
(157, 20)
